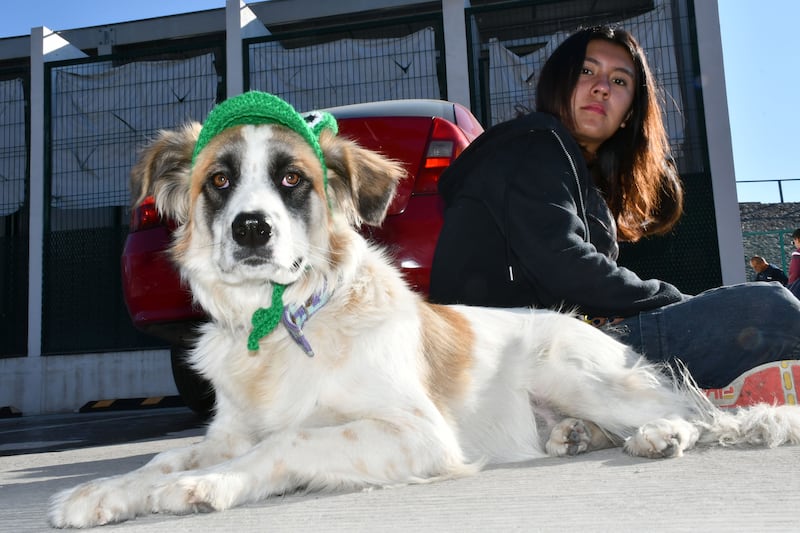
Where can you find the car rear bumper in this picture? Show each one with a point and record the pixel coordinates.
(153, 291)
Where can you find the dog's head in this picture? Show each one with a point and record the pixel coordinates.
(262, 195)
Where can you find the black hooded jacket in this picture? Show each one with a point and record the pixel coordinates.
(525, 226)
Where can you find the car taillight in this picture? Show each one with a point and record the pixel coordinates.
(145, 216)
(446, 143)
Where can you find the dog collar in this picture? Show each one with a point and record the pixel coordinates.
(266, 320)
(294, 317)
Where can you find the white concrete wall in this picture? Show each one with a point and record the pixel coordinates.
(456, 58)
(720, 148)
(65, 383)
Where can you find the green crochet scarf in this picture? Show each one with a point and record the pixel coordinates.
(256, 108)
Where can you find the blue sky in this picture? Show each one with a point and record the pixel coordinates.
(761, 78)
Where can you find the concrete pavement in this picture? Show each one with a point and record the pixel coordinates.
(707, 490)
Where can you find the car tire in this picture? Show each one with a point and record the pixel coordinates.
(195, 391)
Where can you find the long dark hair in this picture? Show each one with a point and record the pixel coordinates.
(633, 168)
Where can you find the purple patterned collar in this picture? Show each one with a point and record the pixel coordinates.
(294, 317)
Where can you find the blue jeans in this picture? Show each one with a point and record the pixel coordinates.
(720, 333)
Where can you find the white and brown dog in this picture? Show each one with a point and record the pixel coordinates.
(331, 373)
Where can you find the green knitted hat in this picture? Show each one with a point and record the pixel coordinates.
(256, 108)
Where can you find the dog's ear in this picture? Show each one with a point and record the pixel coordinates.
(163, 171)
(361, 182)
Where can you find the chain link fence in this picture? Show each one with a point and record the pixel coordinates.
(348, 64)
(100, 112)
(14, 126)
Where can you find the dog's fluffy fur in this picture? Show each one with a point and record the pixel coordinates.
(399, 390)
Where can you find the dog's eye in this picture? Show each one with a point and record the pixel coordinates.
(220, 181)
(291, 179)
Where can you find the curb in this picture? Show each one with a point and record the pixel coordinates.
(128, 404)
(9, 411)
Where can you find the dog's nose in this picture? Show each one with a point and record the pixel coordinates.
(251, 229)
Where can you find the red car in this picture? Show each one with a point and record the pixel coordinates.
(425, 135)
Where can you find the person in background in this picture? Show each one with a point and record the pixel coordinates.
(535, 207)
(794, 262)
(766, 271)
(794, 266)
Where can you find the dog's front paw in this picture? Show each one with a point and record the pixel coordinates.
(195, 494)
(662, 439)
(569, 437)
(94, 503)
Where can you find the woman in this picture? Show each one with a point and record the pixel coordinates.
(536, 205)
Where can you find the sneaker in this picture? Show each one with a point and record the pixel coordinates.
(773, 383)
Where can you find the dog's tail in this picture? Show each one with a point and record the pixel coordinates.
(757, 425)
(761, 424)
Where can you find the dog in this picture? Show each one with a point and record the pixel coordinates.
(331, 374)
